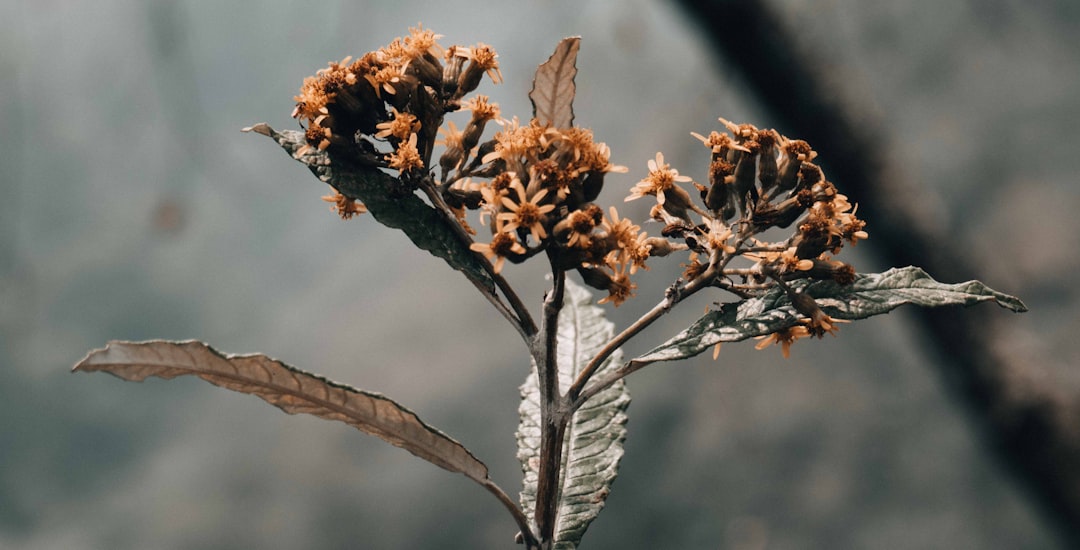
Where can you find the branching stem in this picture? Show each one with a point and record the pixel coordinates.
(578, 394)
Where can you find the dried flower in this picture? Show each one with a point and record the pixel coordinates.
(661, 178)
(525, 214)
(619, 288)
(400, 126)
(406, 157)
(344, 206)
(502, 245)
(784, 337)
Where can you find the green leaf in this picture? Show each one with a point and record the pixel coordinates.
(870, 294)
(595, 435)
(381, 193)
(289, 389)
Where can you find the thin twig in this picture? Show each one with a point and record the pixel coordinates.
(521, 319)
(605, 381)
(702, 281)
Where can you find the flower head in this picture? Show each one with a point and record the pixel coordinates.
(344, 206)
(526, 214)
(630, 246)
(783, 337)
(401, 126)
(619, 288)
(481, 108)
(661, 178)
(406, 157)
(423, 41)
(502, 245)
(485, 59)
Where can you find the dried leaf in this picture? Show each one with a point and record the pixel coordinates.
(553, 88)
(425, 226)
(870, 294)
(291, 390)
(595, 435)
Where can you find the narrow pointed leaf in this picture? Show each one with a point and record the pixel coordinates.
(594, 440)
(289, 389)
(381, 194)
(553, 88)
(870, 294)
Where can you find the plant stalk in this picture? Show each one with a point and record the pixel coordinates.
(552, 422)
(575, 393)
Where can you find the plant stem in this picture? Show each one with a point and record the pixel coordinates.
(528, 538)
(521, 319)
(552, 422)
(644, 321)
(575, 395)
(547, 488)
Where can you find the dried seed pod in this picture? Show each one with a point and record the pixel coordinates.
(677, 229)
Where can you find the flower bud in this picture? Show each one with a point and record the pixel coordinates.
(768, 173)
(452, 71)
(596, 278)
(835, 270)
(744, 182)
(789, 175)
(780, 215)
(660, 247)
(451, 158)
(425, 71)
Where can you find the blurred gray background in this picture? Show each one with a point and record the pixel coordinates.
(131, 207)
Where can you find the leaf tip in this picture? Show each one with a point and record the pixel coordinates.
(86, 362)
(1012, 303)
(260, 128)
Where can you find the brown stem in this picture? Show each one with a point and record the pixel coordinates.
(644, 321)
(669, 301)
(527, 536)
(520, 318)
(548, 491)
(552, 421)
(606, 380)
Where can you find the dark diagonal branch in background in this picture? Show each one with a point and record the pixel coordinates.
(1033, 430)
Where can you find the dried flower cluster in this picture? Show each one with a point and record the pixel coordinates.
(534, 185)
(396, 96)
(759, 180)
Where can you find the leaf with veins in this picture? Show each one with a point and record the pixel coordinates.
(289, 389)
(870, 294)
(595, 435)
(553, 88)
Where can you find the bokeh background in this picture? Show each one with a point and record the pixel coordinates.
(131, 207)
